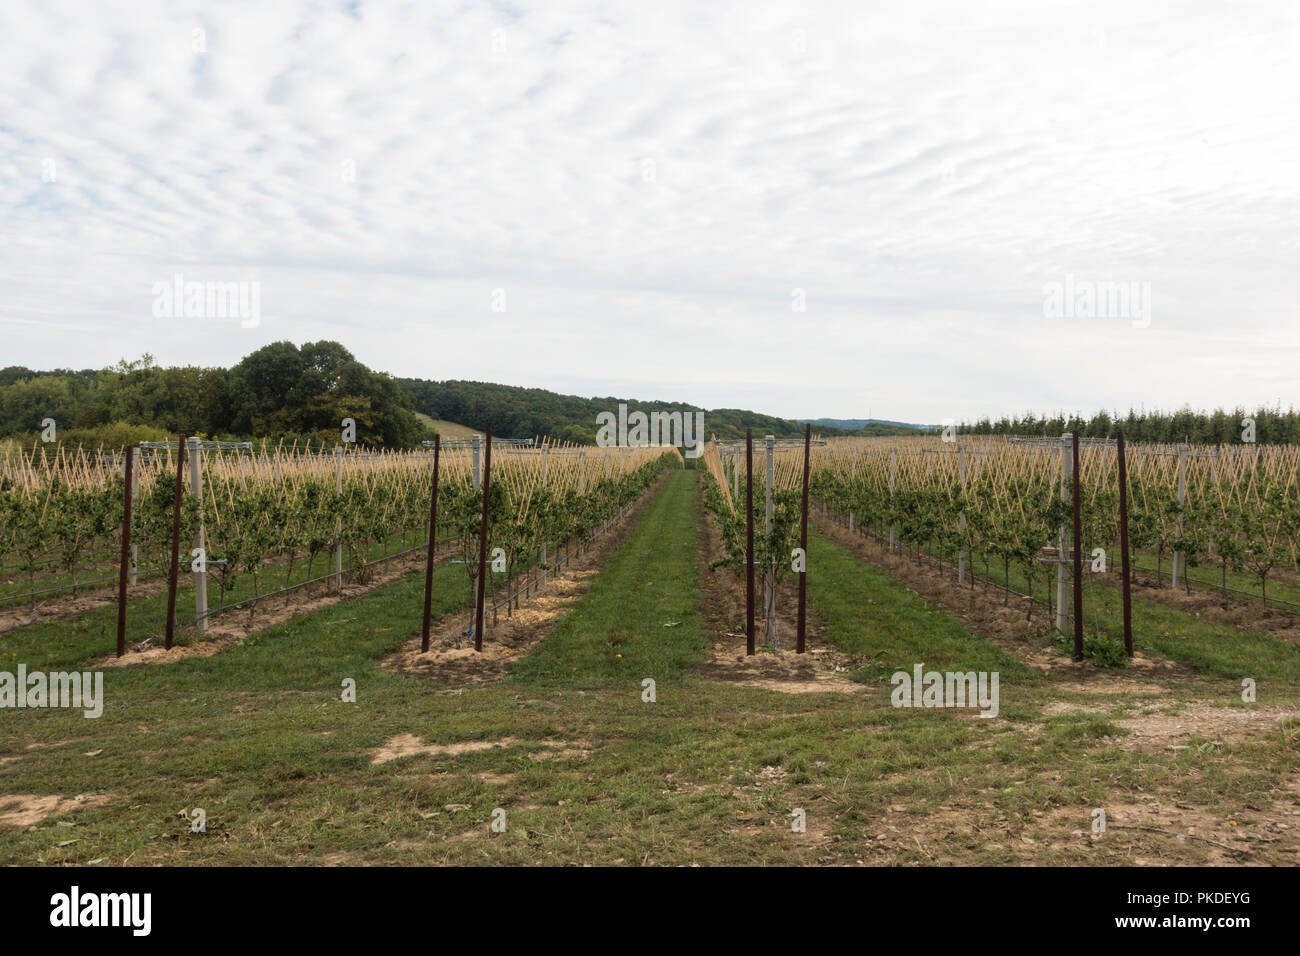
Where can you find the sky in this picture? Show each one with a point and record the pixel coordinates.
(910, 210)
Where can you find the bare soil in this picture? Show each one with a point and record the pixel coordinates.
(1233, 610)
(13, 617)
(821, 669)
(238, 624)
(28, 809)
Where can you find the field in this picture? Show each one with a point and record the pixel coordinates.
(446, 429)
(613, 716)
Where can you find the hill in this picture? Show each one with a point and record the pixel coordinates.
(868, 426)
(514, 411)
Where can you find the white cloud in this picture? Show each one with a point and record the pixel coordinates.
(650, 182)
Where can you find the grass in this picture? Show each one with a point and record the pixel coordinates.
(641, 617)
(447, 429)
(869, 613)
(586, 771)
(1215, 649)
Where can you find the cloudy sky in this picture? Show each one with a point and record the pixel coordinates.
(841, 209)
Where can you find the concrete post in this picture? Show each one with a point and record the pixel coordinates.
(200, 577)
(961, 518)
(893, 474)
(477, 442)
(1180, 559)
(1062, 583)
(853, 475)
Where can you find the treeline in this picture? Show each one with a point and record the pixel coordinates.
(291, 393)
(524, 412)
(1220, 427)
(279, 392)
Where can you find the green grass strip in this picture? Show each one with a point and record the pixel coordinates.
(641, 617)
(867, 612)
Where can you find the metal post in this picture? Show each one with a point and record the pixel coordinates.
(803, 543)
(1214, 481)
(1078, 552)
(338, 519)
(123, 570)
(1062, 586)
(200, 542)
(769, 573)
(749, 541)
(1180, 558)
(482, 544)
(433, 539)
(1123, 549)
(173, 569)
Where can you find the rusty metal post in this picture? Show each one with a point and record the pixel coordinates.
(749, 541)
(433, 539)
(1125, 583)
(803, 544)
(1180, 559)
(1078, 552)
(124, 570)
(338, 520)
(483, 542)
(173, 570)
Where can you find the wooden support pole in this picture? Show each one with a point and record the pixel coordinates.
(338, 520)
(1180, 559)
